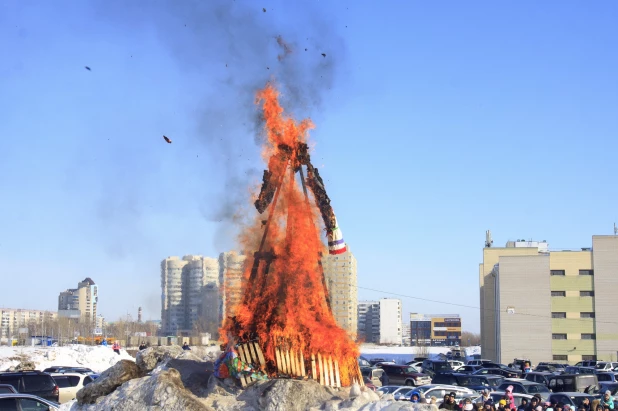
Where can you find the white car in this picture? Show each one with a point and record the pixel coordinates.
(69, 383)
(440, 390)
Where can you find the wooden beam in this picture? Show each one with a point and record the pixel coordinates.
(337, 379)
(260, 355)
(288, 362)
(303, 373)
(321, 369)
(330, 370)
(241, 353)
(313, 368)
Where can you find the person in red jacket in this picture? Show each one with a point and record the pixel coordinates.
(116, 347)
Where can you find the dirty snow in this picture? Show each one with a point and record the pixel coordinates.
(402, 355)
(98, 358)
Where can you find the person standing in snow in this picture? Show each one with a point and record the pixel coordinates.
(116, 347)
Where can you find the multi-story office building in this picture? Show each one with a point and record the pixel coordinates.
(12, 319)
(80, 303)
(435, 330)
(381, 320)
(549, 305)
(341, 281)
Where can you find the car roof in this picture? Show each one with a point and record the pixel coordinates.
(67, 374)
(540, 372)
(519, 381)
(573, 394)
(19, 373)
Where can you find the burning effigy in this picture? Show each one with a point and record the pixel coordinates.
(283, 326)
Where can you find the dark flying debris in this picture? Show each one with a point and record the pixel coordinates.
(323, 54)
(167, 140)
(264, 10)
(87, 68)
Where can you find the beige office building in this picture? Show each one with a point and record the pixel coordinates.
(80, 303)
(231, 271)
(341, 281)
(549, 305)
(12, 319)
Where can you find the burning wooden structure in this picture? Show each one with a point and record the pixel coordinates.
(285, 313)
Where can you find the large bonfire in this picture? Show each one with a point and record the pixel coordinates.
(285, 304)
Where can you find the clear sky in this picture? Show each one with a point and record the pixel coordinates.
(435, 121)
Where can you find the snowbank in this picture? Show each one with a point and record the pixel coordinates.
(98, 358)
(402, 355)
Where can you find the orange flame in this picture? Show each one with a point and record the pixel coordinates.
(287, 300)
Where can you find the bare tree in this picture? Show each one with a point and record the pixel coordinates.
(469, 339)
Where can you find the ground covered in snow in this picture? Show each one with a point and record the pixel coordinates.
(402, 355)
(98, 358)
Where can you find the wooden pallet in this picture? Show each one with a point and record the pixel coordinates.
(251, 353)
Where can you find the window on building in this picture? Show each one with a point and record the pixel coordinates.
(586, 272)
(556, 272)
(589, 357)
(561, 357)
(586, 293)
(586, 315)
(558, 315)
(559, 336)
(589, 336)
(558, 293)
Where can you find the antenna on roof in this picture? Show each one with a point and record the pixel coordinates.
(488, 240)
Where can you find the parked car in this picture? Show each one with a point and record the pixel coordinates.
(440, 390)
(374, 374)
(572, 382)
(540, 377)
(526, 387)
(432, 367)
(611, 386)
(551, 368)
(496, 371)
(578, 370)
(477, 362)
(474, 382)
(389, 389)
(7, 389)
(26, 402)
(62, 369)
(416, 364)
(368, 383)
(468, 369)
(606, 376)
(362, 362)
(606, 366)
(498, 395)
(587, 364)
(405, 375)
(400, 394)
(70, 383)
(32, 382)
(520, 364)
(513, 371)
(574, 399)
(374, 361)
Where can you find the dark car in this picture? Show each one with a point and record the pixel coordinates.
(572, 369)
(26, 402)
(572, 382)
(606, 376)
(553, 368)
(474, 382)
(540, 377)
(496, 371)
(404, 375)
(432, 367)
(468, 369)
(32, 382)
(526, 387)
(516, 373)
(611, 386)
(574, 399)
(7, 389)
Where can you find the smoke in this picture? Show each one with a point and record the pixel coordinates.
(232, 49)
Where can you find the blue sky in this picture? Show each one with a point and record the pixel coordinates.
(436, 121)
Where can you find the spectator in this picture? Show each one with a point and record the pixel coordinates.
(607, 401)
(523, 405)
(502, 405)
(534, 402)
(142, 346)
(116, 347)
(449, 403)
(486, 396)
(384, 379)
(186, 347)
(510, 400)
(585, 405)
(414, 397)
(434, 400)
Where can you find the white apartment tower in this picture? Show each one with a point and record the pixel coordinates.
(381, 321)
(231, 266)
(341, 281)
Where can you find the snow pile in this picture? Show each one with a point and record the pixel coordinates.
(402, 355)
(98, 358)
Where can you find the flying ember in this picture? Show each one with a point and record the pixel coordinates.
(284, 312)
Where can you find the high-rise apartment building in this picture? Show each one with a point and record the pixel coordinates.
(435, 330)
(231, 271)
(12, 319)
(549, 305)
(381, 320)
(341, 281)
(80, 303)
(182, 298)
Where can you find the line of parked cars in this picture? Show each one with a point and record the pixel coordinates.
(42, 390)
(550, 380)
